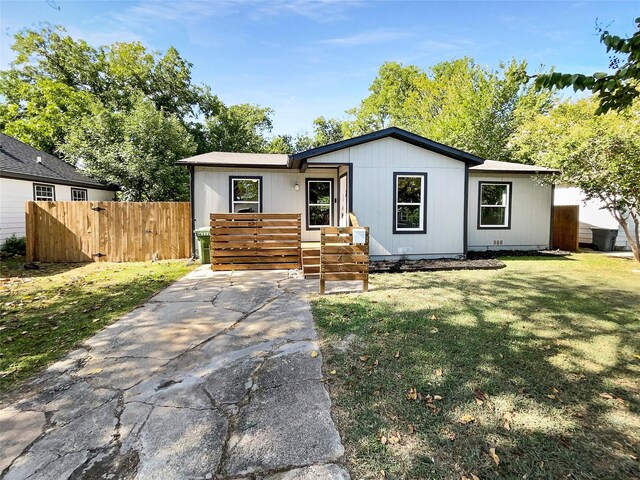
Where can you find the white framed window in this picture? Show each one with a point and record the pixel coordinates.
(494, 205)
(246, 194)
(79, 195)
(409, 197)
(319, 203)
(43, 192)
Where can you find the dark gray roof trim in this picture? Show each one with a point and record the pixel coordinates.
(396, 133)
(19, 161)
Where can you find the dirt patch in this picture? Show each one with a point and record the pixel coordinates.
(517, 253)
(400, 266)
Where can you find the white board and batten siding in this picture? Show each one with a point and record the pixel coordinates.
(15, 193)
(531, 212)
(374, 164)
(592, 215)
(211, 192)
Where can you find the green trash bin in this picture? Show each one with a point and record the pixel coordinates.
(204, 244)
(604, 239)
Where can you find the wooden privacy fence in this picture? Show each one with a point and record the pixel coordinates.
(566, 227)
(255, 241)
(343, 257)
(107, 231)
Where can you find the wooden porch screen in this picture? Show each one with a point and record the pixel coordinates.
(255, 241)
(341, 258)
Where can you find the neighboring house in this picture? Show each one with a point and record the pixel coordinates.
(592, 215)
(421, 199)
(27, 173)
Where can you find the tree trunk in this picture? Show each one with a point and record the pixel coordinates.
(634, 242)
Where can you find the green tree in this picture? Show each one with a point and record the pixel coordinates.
(136, 151)
(237, 128)
(458, 103)
(616, 90)
(65, 96)
(600, 154)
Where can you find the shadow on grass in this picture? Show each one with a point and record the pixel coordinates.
(14, 268)
(544, 349)
(40, 328)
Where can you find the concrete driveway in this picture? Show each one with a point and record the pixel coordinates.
(214, 377)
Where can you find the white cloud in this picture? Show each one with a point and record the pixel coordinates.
(367, 38)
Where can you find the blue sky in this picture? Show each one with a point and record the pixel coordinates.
(309, 58)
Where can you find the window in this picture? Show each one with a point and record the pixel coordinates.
(494, 205)
(78, 194)
(246, 195)
(410, 214)
(319, 203)
(43, 193)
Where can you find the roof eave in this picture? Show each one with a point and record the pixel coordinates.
(58, 181)
(398, 134)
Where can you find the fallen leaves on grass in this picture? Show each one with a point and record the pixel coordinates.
(610, 396)
(494, 456)
(467, 419)
(507, 418)
(412, 394)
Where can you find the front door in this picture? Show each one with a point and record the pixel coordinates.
(343, 219)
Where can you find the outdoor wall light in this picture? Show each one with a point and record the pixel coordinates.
(296, 187)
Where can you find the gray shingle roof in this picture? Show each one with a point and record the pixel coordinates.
(237, 159)
(19, 160)
(510, 167)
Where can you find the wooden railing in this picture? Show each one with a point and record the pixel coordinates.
(255, 241)
(342, 257)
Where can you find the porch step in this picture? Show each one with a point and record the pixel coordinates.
(311, 262)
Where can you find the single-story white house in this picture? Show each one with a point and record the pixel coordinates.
(420, 198)
(27, 173)
(592, 215)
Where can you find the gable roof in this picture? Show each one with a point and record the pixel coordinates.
(19, 160)
(393, 132)
(511, 167)
(233, 159)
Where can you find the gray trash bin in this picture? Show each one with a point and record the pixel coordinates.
(604, 239)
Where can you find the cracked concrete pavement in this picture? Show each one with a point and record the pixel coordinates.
(213, 378)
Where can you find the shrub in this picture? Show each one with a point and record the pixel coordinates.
(14, 245)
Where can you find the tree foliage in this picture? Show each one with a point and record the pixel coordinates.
(459, 103)
(135, 150)
(67, 97)
(600, 154)
(616, 90)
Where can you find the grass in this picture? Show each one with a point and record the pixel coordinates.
(45, 313)
(539, 361)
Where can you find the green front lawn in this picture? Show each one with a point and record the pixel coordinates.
(45, 313)
(532, 371)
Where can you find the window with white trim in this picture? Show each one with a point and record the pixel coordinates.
(494, 205)
(79, 195)
(43, 193)
(319, 203)
(409, 202)
(246, 194)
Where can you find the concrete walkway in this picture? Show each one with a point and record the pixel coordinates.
(215, 377)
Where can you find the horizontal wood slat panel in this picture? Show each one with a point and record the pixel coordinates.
(364, 249)
(254, 238)
(259, 241)
(341, 258)
(344, 276)
(255, 216)
(257, 266)
(346, 267)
